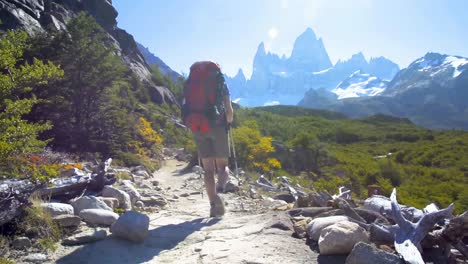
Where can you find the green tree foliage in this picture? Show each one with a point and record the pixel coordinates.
(254, 152)
(426, 166)
(18, 137)
(308, 152)
(90, 107)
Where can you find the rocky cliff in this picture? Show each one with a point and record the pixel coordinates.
(39, 15)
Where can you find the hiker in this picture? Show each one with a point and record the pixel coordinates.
(207, 111)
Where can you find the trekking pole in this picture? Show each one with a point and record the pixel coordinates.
(231, 136)
(200, 174)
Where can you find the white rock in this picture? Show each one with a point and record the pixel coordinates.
(128, 187)
(132, 226)
(111, 201)
(67, 220)
(58, 208)
(89, 202)
(341, 237)
(123, 197)
(315, 226)
(99, 216)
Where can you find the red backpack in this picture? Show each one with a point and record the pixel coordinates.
(202, 108)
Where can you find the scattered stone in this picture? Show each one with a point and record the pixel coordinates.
(195, 193)
(185, 195)
(155, 182)
(287, 197)
(175, 196)
(364, 253)
(142, 173)
(112, 202)
(132, 226)
(231, 187)
(300, 227)
(57, 208)
(21, 243)
(128, 187)
(284, 207)
(154, 201)
(341, 237)
(67, 220)
(281, 226)
(139, 204)
(85, 237)
(89, 202)
(99, 216)
(72, 172)
(314, 228)
(36, 258)
(122, 196)
(273, 204)
(145, 185)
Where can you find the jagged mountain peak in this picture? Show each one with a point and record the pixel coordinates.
(240, 74)
(261, 49)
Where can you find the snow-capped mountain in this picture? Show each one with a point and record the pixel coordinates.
(431, 92)
(360, 84)
(283, 80)
(432, 69)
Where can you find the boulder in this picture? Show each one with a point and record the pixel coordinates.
(21, 243)
(122, 196)
(132, 226)
(111, 201)
(128, 187)
(314, 228)
(341, 237)
(57, 208)
(99, 216)
(67, 220)
(89, 202)
(364, 253)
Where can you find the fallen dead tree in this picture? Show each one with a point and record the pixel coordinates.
(14, 194)
(410, 234)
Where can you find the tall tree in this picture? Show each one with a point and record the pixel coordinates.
(17, 78)
(85, 108)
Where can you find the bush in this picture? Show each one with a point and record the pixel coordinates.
(38, 222)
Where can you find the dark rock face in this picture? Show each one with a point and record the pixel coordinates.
(33, 15)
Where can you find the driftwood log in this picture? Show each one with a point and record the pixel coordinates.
(65, 189)
(14, 195)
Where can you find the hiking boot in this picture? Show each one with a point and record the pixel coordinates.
(217, 207)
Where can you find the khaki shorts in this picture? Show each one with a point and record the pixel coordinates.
(213, 144)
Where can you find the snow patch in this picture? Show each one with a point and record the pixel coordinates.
(237, 100)
(271, 103)
(322, 72)
(456, 63)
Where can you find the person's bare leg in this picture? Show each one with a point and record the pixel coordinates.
(209, 167)
(223, 172)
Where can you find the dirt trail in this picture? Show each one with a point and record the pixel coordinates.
(183, 233)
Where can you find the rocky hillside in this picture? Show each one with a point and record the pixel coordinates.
(431, 92)
(39, 15)
(152, 59)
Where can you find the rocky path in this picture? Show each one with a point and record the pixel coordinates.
(183, 233)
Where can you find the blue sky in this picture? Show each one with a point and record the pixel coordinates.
(229, 31)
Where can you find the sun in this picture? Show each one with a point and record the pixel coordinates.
(273, 33)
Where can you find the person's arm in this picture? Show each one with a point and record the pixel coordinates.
(228, 105)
